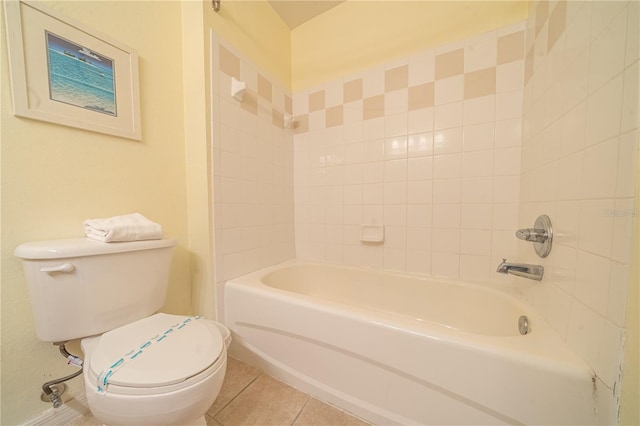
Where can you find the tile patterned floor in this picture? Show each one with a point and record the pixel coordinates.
(250, 397)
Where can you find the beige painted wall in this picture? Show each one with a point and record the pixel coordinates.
(630, 395)
(360, 34)
(54, 177)
(256, 30)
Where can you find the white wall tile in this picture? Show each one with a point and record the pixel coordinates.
(603, 14)
(609, 355)
(478, 163)
(373, 150)
(419, 215)
(510, 76)
(395, 148)
(476, 216)
(373, 82)
(618, 290)
(633, 34)
(394, 259)
(627, 165)
(420, 145)
(420, 120)
(419, 239)
(592, 281)
(508, 133)
(395, 192)
(446, 216)
(373, 256)
(395, 170)
(503, 244)
(575, 162)
(558, 310)
(481, 51)
(509, 105)
(421, 68)
(475, 242)
(419, 192)
(447, 141)
(603, 112)
(445, 265)
(601, 169)
(475, 268)
(397, 102)
(479, 137)
(449, 90)
(630, 104)
(420, 168)
(507, 161)
(505, 217)
(447, 166)
(623, 220)
(570, 177)
(596, 226)
(506, 189)
(395, 214)
(419, 262)
(476, 190)
(446, 191)
(373, 129)
(585, 332)
(372, 193)
(607, 52)
(449, 115)
(483, 110)
(395, 237)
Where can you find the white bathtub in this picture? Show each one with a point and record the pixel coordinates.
(400, 349)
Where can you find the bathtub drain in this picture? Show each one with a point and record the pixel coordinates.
(523, 324)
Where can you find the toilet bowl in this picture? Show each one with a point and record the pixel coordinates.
(141, 367)
(171, 381)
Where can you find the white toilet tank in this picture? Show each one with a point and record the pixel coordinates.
(81, 287)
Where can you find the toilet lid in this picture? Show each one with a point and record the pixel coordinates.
(159, 350)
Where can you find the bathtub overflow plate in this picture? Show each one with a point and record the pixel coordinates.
(523, 325)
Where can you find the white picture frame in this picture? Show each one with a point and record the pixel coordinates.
(65, 73)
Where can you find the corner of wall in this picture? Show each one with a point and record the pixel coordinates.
(196, 156)
(630, 394)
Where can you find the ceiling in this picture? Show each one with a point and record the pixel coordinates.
(296, 12)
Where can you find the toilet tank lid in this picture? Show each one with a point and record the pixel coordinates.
(78, 247)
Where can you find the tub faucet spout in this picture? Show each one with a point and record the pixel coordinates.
(525, 270)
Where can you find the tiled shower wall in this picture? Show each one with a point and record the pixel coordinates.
(580, 151)
(252, 169)
(428, 146)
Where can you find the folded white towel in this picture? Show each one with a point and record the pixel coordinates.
(130, 227)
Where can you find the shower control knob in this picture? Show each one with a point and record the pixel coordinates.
(541, 235)
(532, 234)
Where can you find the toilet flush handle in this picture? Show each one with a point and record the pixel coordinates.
(65, 267)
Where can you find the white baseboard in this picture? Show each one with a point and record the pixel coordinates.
(70, 411)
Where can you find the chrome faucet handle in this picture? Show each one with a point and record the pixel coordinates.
(541, 235)
(534, 235)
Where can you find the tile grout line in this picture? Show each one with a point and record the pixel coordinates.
(237, 395)
(301, 410)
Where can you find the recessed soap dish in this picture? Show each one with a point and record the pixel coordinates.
(372, 233)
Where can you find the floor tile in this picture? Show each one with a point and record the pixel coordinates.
(86, 420)
(211, 421)
(317, 413)
(266, 401)
(238, 376)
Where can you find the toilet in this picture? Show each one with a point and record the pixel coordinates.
(140, 367)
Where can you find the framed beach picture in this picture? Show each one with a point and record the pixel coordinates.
(62, 72)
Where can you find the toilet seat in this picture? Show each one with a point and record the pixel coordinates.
(157, 354)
